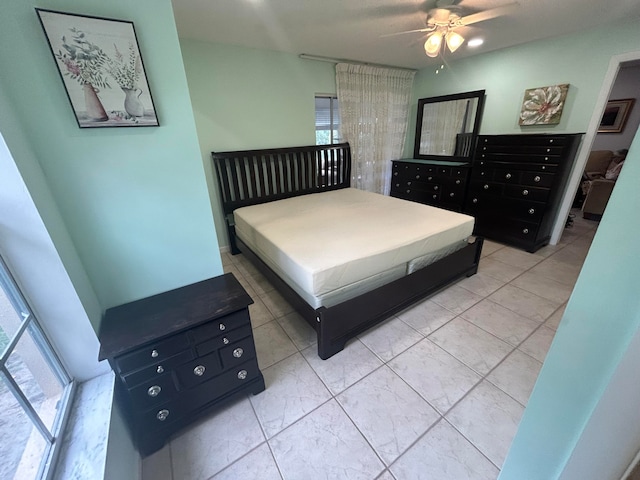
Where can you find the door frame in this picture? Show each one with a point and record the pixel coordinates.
(575, 177)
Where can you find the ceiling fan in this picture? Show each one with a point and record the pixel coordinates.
(443, 21)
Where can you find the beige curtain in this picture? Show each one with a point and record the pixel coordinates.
(374, 111)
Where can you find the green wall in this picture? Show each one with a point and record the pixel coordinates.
(581, 60)
(247, 98)
(133, 200)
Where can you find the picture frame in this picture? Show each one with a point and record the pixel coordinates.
(615, 115)
(543, 105)
(101, 68)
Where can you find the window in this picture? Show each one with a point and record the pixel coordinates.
(35, 389)
(327, 120)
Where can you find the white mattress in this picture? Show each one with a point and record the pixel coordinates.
(327, 243)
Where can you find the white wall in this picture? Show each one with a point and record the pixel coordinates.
(627, 86)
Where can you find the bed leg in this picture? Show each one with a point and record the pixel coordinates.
(325, 352)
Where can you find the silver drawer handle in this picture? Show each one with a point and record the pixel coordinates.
(551, 140)
(507, 176)
(525, 230)
(160, 369)
(199, 370)
(546, 158)
(452, 194)
(457, 182)
(238, 352)
(395, 173)
(544, 167)
(225, 340)
(548, 150)
(242, 374)
(222, 326)
(525, 192)
(154, 391)
(429, 178)
(397, 184)
(162, 415)
(532, 211)
(417, 177)
(536, 178)
(154, 353)
(486, 187)
(482, 174)
(409, 191)
(435, 187)
(408, 183)
(475, 200)
(435, 196)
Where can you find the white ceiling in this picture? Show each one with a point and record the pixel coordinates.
(352, 29)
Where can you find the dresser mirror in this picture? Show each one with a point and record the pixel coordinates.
(447, 126)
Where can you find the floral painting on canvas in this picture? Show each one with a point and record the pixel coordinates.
(101, 68)
(543, 105)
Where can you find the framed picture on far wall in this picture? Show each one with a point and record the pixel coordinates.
(615, 115)
(101, 67)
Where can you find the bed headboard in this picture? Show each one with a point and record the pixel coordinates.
(250, 177)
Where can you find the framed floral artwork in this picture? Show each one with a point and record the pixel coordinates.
(101, 67)
(543, 105)
(615, 115)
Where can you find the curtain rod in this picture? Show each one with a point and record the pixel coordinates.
(356, 62)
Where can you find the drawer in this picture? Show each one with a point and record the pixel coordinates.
(514, 231)
(485, 188)
(453, 182)
(238, 353)
(529, 140)
(157, 369)
(158, 390)
(507, 175)
(482, 173)
(527, 193)
(512, 209)
(459, 172)
(222, 341)
(444, 171)
(484, 158)
(537, 179)
(152, 353)
(198, 370)
(220, 327)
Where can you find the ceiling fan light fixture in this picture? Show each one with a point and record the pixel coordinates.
(454, 40)
(433, 43)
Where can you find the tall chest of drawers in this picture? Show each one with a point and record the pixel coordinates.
(441, 184)
(180, 354)
(517, 183)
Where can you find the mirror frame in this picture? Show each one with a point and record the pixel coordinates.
(479, 94)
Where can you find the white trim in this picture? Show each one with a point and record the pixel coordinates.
(587, 141)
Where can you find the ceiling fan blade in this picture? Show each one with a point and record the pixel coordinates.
(420, 30)
(488, 14)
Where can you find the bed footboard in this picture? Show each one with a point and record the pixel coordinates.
(338, 324)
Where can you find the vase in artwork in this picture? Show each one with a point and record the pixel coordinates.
(132, 104)
(95, 110)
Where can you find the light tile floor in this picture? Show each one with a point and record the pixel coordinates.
(436, 392)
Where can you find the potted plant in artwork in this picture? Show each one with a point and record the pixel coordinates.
(126, 72)
(84, 62)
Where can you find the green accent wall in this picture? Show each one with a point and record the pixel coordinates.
(581, 60)
(134, 201)
(246, 98)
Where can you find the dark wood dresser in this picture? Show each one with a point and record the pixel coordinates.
(438, 183)
(180, 354)
(517, 183)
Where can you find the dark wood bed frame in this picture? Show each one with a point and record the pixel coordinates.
(251, 177)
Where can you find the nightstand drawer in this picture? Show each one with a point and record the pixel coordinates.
(220, 327)
(198, 370)
(153, 392)
(155, 370)
(152, 353)
(223, 340)
(237, 353)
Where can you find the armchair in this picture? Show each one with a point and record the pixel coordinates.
(599, 178)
